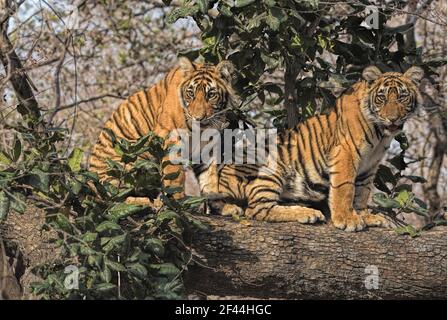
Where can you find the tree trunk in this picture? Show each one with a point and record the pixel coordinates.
(21, 83)
(438, 126)
(294, 261)
(434, 172)
(290, 94)
(9, 286)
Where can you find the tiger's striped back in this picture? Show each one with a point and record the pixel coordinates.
(140, 113)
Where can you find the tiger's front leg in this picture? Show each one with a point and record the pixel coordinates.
(343, 172)
(264, 205)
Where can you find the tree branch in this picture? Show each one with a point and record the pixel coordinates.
(295, 261)
(28, 106)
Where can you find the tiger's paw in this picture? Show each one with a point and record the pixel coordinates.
(232, 210)
(350, 222)
(310, 216)
(375, 220)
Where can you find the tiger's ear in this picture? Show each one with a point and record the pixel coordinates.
(226, 70)
(185, 64)
(371, 73)
(414, 73)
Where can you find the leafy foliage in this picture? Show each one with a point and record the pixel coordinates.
(319, 52)
(396, 194)
(120, 250)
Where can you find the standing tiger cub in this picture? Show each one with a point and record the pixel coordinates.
(189, 92)
(328, 160)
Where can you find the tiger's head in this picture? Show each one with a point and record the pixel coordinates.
(206, 93)
(392, 96)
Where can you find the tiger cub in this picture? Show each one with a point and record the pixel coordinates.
(189, 92)
(328, 161)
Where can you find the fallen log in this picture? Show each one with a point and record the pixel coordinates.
(295, 261)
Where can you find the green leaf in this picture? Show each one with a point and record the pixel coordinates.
(225, 10)
(269, 3)
(63, 223)
(106, 275)
(17, 149)
(418, 208)
(203, 5)
(155, 246)
(193, 201)
(273, 22)
(243, 3)
(123, 210)
(18, 202)
(90, 236)
(403, 141)
(383, 201)
(398, 162)
(139, 145)
(75, 159)
(420, 203)
(118, 150)
(138, 270)
(114, 242)
(85, 250)
(107, 226)
(40, 180)
(385, 174)
(409, 230)
(94, 260)
(105, 286)
(115, 265)
(416, 179)
(166, 215)
(4, 158)
(256, 21)
(404, 186)
(182, 12)
(403, 197)
(166, 269)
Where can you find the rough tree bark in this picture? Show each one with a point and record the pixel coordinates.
(9, 286)
(290, 260)
(438, 127)
(290, 94)
(23, 87)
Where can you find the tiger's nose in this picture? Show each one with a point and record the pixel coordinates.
(394, 118)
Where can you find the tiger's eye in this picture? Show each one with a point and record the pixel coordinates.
(381, 96)
(190, 92)
(212, 94)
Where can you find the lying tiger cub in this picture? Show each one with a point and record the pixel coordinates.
(330, 159)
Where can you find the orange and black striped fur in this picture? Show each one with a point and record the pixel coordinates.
(191, 91)
(328, 159)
